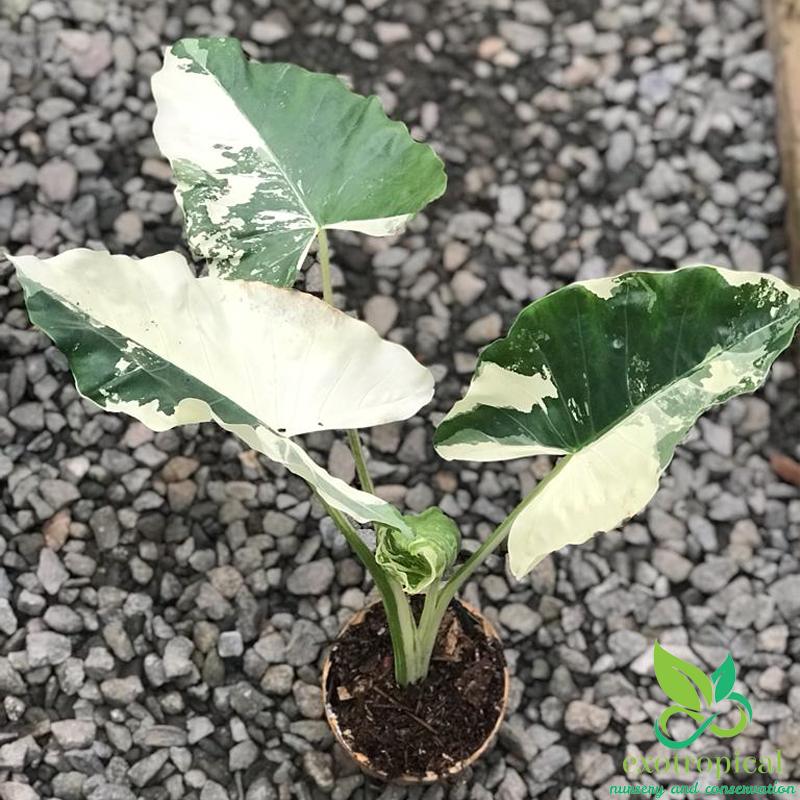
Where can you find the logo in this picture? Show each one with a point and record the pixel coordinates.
(681, 682)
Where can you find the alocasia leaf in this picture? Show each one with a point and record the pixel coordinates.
(724, 677)
(672, 672)
(267, 154)
(421, 559)
(149, 339)
(612, 373)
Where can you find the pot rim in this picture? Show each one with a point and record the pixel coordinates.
(429, 777)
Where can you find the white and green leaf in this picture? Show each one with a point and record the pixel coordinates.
(612, 374)
(266, 155)
(149, 339)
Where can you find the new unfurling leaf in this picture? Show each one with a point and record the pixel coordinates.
(420, 559)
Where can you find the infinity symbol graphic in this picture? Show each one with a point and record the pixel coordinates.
(707, 723)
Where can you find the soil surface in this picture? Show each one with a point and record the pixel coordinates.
(424, 728)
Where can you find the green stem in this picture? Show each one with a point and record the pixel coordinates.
(438, 598)
(497, 537)
(327, 295)
(427, 632)
(325, 266)
(402, 628)
(361, 462)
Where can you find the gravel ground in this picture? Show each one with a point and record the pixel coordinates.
(165, 598)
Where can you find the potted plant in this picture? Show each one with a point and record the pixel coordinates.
(606, 375)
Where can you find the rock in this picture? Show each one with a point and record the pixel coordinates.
(309, 700)
(713, 574)
(512, 786)
(511, 202)
(230, 644)
(586, 719)
(51, 572)
(13, 790)
(179, 468)
(58, 493)
(28, 416)
(161, 736)
(318, 766)
(90, 53)
(389, 33)
(381, 312)
(522, 38)
(177, 657)
(243, 755)
(105, 527)
(671, 564)
(305, 643)
(74, 734)
(122, 691)
(271, 28)
(786, 593)
(620, 151)
(198, 728)
(341, 463)
(278, 680)
(549, 762)
(58, 180)
(8, 619)
(46, 649)
(313, 578)
(116, 637)
(520, 618)
(11, 682)
(143, 771)
(271, 648)
(99, 663)
(485, 329)
(129, 227)
(63, 619)
(467, 287)
(625, 645)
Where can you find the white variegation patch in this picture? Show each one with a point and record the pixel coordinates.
(599, 486)
(387, 226)
(502, 388)
(601, 287)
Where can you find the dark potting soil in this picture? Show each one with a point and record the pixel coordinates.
(427, 727)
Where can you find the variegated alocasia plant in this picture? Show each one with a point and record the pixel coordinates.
(607, 374)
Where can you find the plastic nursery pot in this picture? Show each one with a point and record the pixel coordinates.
(423, 733)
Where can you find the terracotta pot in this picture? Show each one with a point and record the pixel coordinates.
(361, 759)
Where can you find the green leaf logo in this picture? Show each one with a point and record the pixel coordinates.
(673, 675)
(681, 681)
(724, 676)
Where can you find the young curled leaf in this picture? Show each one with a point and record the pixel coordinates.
(420, 560)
